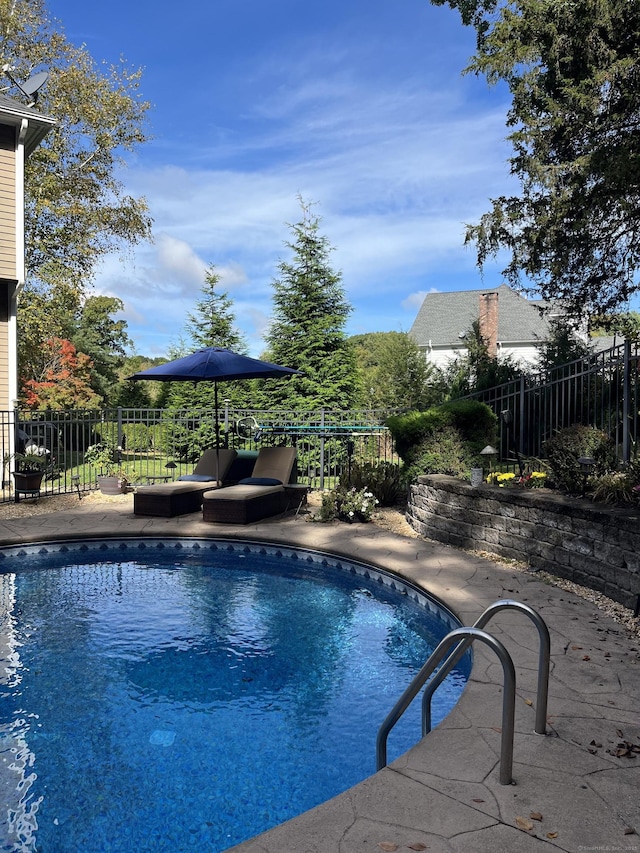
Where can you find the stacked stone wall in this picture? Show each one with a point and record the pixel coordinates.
(591, 544)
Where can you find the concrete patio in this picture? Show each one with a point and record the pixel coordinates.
(575, 789)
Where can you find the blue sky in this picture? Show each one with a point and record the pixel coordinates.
(359, 107)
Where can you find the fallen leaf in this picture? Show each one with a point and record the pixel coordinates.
(629, 830)
(524, 823)
(477, 800)
(528, 702)
(575, 648)
(619, 733)
(586, 657)
(535, 816)
(388, 846)
(417, 845)
(552, 834)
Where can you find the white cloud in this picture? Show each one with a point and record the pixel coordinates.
(397, 170)
(178, 263)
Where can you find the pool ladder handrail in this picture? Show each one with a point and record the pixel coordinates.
(461, 639)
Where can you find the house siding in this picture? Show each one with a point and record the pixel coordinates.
(7, 203)
(6, 290)
(524, 354)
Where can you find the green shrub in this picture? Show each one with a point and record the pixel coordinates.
(137, 438)
(328, 509)
(568, 445)
(445, 452)
(383, 479)
(474, 422)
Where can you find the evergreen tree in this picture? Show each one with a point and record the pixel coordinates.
(308, 328)
(573, 68)
(476, 370)
(212, 324)
(563, 345)
(394, 374)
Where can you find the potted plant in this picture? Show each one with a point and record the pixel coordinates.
(28, 473)
(114, 478)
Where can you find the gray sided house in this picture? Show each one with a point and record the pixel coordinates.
(511, 325)
(22, 129)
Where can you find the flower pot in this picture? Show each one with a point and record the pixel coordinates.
(27, 483)
(111, 485)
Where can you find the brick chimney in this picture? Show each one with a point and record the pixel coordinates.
(488, 322)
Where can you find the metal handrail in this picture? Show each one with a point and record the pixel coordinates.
(544, 655)
(438, 655)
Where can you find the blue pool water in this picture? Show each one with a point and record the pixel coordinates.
(184, 696)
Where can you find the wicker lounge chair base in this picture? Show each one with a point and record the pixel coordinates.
(183, 496)
(243, 504)
(173, 499)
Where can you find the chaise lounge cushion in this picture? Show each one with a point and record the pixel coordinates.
(249, 502)
(195, 478)
(184, 496)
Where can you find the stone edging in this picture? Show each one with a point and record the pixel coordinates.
(592, 545)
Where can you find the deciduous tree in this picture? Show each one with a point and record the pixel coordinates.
(104, 339)
(76, 206)
(63, 379)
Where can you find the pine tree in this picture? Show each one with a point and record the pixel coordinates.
(308, 327)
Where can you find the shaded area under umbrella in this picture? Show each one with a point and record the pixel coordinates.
(214, 364)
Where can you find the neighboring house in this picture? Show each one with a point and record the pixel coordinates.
(22, 129)
(511, 325)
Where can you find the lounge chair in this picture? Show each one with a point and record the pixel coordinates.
(185, 494)
(259, 496)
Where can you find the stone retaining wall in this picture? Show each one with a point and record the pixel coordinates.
(591, 544)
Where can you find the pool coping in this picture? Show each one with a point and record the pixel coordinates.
(444, 794)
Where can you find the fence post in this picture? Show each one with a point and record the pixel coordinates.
(626, 398)
(522, 415)
(120, 426)
(322, 449)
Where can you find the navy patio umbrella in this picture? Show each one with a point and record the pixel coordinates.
(214, 364)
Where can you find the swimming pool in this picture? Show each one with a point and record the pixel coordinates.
(185, 695)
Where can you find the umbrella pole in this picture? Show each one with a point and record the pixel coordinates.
(215, 404)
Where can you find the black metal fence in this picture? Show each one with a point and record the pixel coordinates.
(600, 391)
(158, 444)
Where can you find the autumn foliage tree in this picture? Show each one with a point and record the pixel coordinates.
(63, 379)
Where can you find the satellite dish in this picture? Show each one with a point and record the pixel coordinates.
(32, 86)
(34, 83)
